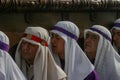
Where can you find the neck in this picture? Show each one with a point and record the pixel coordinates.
(29, 62)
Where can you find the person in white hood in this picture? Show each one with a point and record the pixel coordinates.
(8, 68)
(34, 57)
(116, 35)
(68, 54)
(98, 48)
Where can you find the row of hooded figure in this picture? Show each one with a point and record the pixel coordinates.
(56, 55)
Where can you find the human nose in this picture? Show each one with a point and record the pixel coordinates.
(53, 40)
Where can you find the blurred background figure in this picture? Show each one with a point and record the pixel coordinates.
(98, 48)
(116, 35)
(8, 68)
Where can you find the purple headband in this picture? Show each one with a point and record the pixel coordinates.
(117, 25)
(4, 46)
(103, 34)
(65, 32)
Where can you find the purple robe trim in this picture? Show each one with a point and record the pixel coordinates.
(103, 34)
(117, 25)
(65, 32)
(92, 76)
(4, 46)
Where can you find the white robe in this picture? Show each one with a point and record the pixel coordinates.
(8, 68)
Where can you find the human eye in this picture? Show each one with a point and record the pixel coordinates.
(95, 37)
(51, 35)
(23, 43)
(58, 37)
(87, 35)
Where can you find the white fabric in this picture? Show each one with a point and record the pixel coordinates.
(44, 67)
(77, 65)
(117, 21)
(8, 68)
(107, 61)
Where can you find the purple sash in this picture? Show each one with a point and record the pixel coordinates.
(4, 46)
(66, 32)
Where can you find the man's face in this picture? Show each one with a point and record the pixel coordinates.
(58, 45)
(116, 38)
(90, 45)
(28, 51)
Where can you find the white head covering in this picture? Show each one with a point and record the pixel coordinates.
(107, 61)
(8, 68)
(117, 24)
(44, 65)
(117, 27)
(77, 65)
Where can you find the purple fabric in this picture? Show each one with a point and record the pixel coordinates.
(65, 32)
(103, 34)
(92, 76)
(117, 24)
(4, 46)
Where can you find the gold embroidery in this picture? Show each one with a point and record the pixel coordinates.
(43, 42)
(29, 36)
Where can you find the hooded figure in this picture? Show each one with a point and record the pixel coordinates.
(8, 68)
(107, 61)
(116, 35)
(71, 58)
(43, 66)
